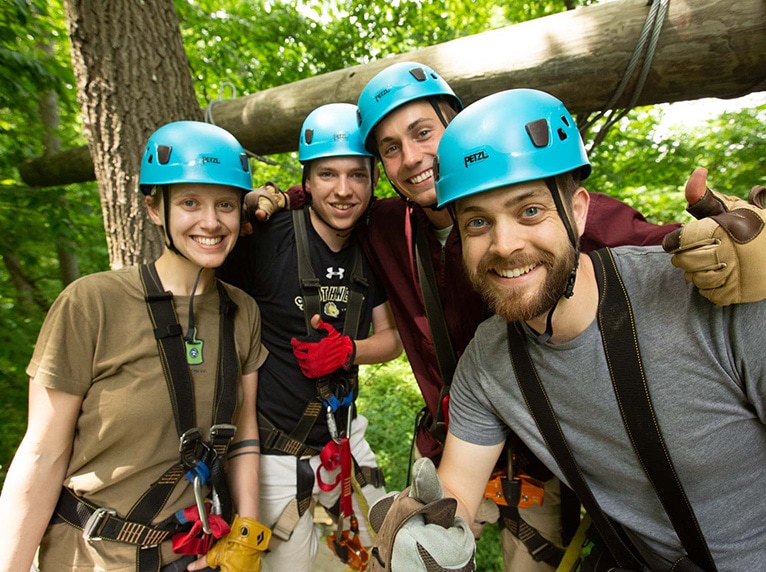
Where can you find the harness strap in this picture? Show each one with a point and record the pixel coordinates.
(369, 476)
(445, 355)
(310, 284)
(545, 418)
(539, 548)
(98, 523)
(629, 383)
(169, 336)
(297, 507)
(274, 439)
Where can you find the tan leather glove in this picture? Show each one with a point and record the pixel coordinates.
(723, 252)
(266, 200)
(417, 529)
(240, 550)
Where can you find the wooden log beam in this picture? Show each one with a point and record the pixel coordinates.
(707, 48)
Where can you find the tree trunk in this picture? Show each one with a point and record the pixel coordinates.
(132, 76)
(707, 48)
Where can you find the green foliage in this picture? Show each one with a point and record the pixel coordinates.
(647, 165)
(236, 47)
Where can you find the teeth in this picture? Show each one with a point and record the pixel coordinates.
(422, 176)
(208, 241)
(342, 207)
(516, 272)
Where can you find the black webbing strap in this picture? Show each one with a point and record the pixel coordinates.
(294, 443)
(445, 355)
(228, 369)
(310, 284)
(102, 524)
(539, 548)
(629, 382)
(170, 344)
(548, 425)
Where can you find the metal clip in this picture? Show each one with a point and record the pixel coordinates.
(331, 426)
(223, 432)
(92, 529)
(199, 498)
(188, 447)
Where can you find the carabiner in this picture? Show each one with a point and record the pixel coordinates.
(199, 498)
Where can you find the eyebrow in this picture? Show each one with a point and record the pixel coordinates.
(511, 201)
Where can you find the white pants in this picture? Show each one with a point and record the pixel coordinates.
(278, 487)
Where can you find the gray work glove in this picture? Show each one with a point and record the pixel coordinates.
(723, 252)
(417, 530)
(266, 200)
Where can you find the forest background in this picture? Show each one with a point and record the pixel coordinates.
(52, 235)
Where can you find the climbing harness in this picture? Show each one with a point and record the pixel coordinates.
(200, 459)
(629, 384)
(333, 393)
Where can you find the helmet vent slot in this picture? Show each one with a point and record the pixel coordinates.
(418, 73)
(309, 135)
(244, 162)
(562, 134)
(538, 132)
(163, 154)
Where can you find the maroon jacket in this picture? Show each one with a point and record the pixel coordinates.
(388, 240)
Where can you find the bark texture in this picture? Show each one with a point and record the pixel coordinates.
(132, 76)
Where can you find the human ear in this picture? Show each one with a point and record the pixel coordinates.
(152, 206)
(580, 204)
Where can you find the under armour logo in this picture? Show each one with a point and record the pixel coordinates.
(339, 273)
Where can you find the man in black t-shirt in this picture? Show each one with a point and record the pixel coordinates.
(308, 383)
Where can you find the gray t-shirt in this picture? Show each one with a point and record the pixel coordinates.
(706, 371)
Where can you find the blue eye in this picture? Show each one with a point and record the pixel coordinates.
(531, 211)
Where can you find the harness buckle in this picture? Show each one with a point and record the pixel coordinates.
(95, 523)
(221, 434)
(188, 447)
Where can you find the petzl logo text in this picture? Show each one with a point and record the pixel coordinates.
(475, 158)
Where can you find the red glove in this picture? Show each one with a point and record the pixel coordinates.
(320, 358)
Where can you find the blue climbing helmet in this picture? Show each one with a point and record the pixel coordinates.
(194, 152)
(509, 137)
(396, 85)
(331, 131)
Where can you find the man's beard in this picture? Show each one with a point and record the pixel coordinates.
(516, 304)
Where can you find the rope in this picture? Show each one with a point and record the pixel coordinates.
(209, 119)
(652, 26)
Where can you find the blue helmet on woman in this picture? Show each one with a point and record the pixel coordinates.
(194, 152)
(331, 131)
(396, 85)
(505, 138)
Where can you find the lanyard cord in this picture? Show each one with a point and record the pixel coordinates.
(191, 332)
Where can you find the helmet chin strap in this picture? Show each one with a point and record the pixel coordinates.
(550, 182)
(166, 227)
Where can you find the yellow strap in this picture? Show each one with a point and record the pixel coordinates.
(574, 550)
(363, 505)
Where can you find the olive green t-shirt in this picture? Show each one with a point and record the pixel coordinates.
(97, 342)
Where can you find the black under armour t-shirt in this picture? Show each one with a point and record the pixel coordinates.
(264, 264)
